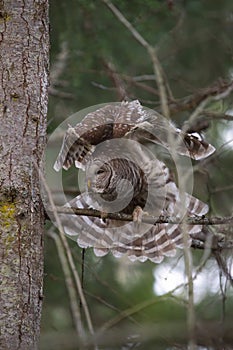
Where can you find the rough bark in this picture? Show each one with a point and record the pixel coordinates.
(23, 107)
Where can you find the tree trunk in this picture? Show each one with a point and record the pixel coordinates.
(23, 105)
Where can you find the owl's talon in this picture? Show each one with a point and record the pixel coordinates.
(103, 215)
(137, 214)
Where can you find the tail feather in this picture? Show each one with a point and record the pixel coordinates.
(157, 242)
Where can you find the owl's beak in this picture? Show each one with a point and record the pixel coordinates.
(88, 183)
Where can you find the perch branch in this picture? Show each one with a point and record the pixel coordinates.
(221, 244)
(149, 219)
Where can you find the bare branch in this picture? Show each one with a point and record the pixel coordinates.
(191, 318)
(71, 262)
(198, 110)
(127, 24)
(223, 266)
(218, 95)
(210, 334)
(219, 243)
(221, 88)
(60, 64)
(102, 87)
(216, 115)
(149, 219)
(161, 83)
(68, 279)
(116, 79)
(61, 94)
(222, 189)
(152, 53)
(197, 244)
(138, 83)
(56, 72)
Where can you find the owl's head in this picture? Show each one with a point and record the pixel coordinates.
(99, 177)
(112, 180)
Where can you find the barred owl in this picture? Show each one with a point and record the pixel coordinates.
(124, 176)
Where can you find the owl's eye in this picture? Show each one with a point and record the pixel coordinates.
(100, 171)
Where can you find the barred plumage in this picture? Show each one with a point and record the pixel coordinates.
(131, 121)
(122, 174)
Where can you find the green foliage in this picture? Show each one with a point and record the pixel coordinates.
(193, 40)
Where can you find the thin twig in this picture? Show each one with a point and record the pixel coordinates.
(116, 79)
(70, 260)
(199, 109)
(189, 273)
(216, 115)
(223, 266)
(140, 84)
(222, 189)
(218, 89)
(69, 281)
(56, 72)
(158, 71)
(160, 82)
(138, 307)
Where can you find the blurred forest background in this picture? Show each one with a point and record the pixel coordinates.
(95, 59)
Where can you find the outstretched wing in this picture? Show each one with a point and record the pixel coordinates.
(130, 120)
(157, 129)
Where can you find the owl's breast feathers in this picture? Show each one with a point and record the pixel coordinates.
(131, 171)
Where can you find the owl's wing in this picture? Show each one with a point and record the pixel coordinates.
(130, 120)
(74, 149)
(79, 142)
(157, 129)
(111, 121)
